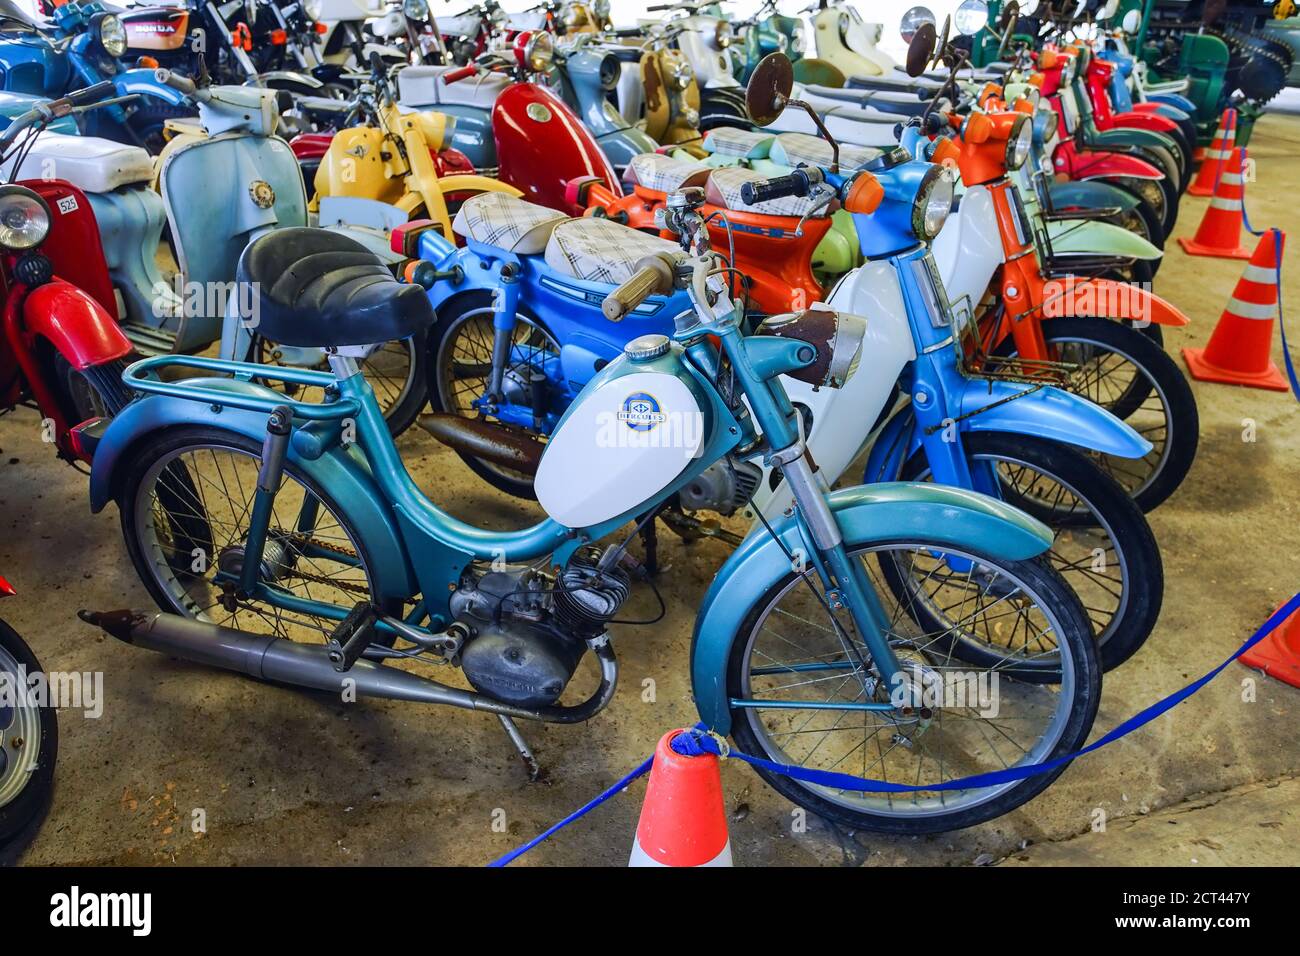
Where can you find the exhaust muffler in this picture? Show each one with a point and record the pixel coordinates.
(277, 659)
(491, 441)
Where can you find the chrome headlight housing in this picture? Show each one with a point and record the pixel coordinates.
(681, 75)
(416, 9)
(24, 218)
(112, 35)
(723, 34)
(539, 51)
(799, 39)
(835, 338)
(1020, 142)
(933, 203)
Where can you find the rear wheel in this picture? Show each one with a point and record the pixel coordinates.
(29, 746)
(811, 668)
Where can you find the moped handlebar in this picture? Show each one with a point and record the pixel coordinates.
(177, 82)
(92, 94)
(797, 183)
(654, 276)
(464, 73)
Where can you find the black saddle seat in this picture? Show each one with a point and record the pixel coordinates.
(314, 287)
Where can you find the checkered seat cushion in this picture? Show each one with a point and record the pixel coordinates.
(724, 190)
(738, 143)
(664, 173)
(599, 250)
(501, 220)
(791, 149)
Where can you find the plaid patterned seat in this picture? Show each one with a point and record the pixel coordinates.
(601, 251)
(501, 220)
(724, 190)
(738, 143)
(791, 149)
(664, 173)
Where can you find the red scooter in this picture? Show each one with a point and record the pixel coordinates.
(62, 350)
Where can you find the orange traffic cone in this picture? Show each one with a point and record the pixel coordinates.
(1278, 655)
(1225, 139)
(683, 822)
(1219, 234)
(1240, 345)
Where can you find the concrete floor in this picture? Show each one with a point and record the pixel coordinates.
(287, 777)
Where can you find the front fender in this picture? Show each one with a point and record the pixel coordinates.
(1088, 194)
(1101, 164)
(1050, 413)
(280, 79)
(1148, 121)
(1107, 299)
(78, 327)
(867, 515)
(1094, 237)
(143, 83)
(341, 471)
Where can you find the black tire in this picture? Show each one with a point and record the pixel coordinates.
(1162, 381)
(165, 447)
(451, 314)
(21, 815)
(1103, 501)
(1077, 640)
(1157, 197)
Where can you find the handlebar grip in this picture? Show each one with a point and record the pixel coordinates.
(377, 63)
(465, 72)
(653, 276)
(175, 81)
(792, 184)
(92, 94)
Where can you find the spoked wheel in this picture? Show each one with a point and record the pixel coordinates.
(1123, 371)
(29, 746)
(186, 504)
(1103, 547)
(795, 677)
(1157, 194)
(460, 366)
(395, 371)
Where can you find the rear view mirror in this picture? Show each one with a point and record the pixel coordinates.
(912, 19)
(921, 49)
(971, 17)
(769, 89)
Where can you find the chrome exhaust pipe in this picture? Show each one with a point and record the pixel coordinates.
(269, 658)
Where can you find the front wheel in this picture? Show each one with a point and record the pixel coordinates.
(1129, 375)
(29, 745)
(813, 671)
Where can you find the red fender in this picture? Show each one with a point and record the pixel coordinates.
(1152, 121)
(76, 325)
(1147, 107)
(1101, 164)
(1106, 298)
(311, 145)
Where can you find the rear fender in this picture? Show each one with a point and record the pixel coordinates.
(1108, 299)
(341, 471)
(867, 515)
(143, 83)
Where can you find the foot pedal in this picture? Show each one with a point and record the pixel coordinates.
(352, 636)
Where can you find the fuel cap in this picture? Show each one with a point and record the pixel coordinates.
(643, 348)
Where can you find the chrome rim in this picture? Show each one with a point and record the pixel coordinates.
(985, 605)
(20, 737)
(390, 370)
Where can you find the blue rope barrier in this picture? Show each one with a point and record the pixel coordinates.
(700, 741)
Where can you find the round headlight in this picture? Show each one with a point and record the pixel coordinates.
(415, 9)
(24, 218)
(799, 39)
(682, 75)
(1019, 142)
(933, 203)
(112, 35)
(312, 8)
(835, 339)
(723, 34)
(539, 52)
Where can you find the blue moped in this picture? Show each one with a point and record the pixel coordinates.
(826, 640)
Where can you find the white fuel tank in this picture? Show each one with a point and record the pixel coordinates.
(625, 439)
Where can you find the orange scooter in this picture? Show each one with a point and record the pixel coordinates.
(988, 246)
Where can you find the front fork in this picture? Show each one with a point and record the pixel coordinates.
(274, 448)
(505, 310)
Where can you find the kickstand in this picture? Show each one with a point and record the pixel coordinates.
(530, 762)
(650, 541)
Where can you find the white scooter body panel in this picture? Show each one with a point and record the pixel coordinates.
(842, 417)
(968, 249)
(619, 445)
(711, 63)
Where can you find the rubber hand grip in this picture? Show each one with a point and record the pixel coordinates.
(465, 72)
(92, 94)
(638, 287)
(778, 187)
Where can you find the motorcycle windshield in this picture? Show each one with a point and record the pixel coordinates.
(14, 17)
